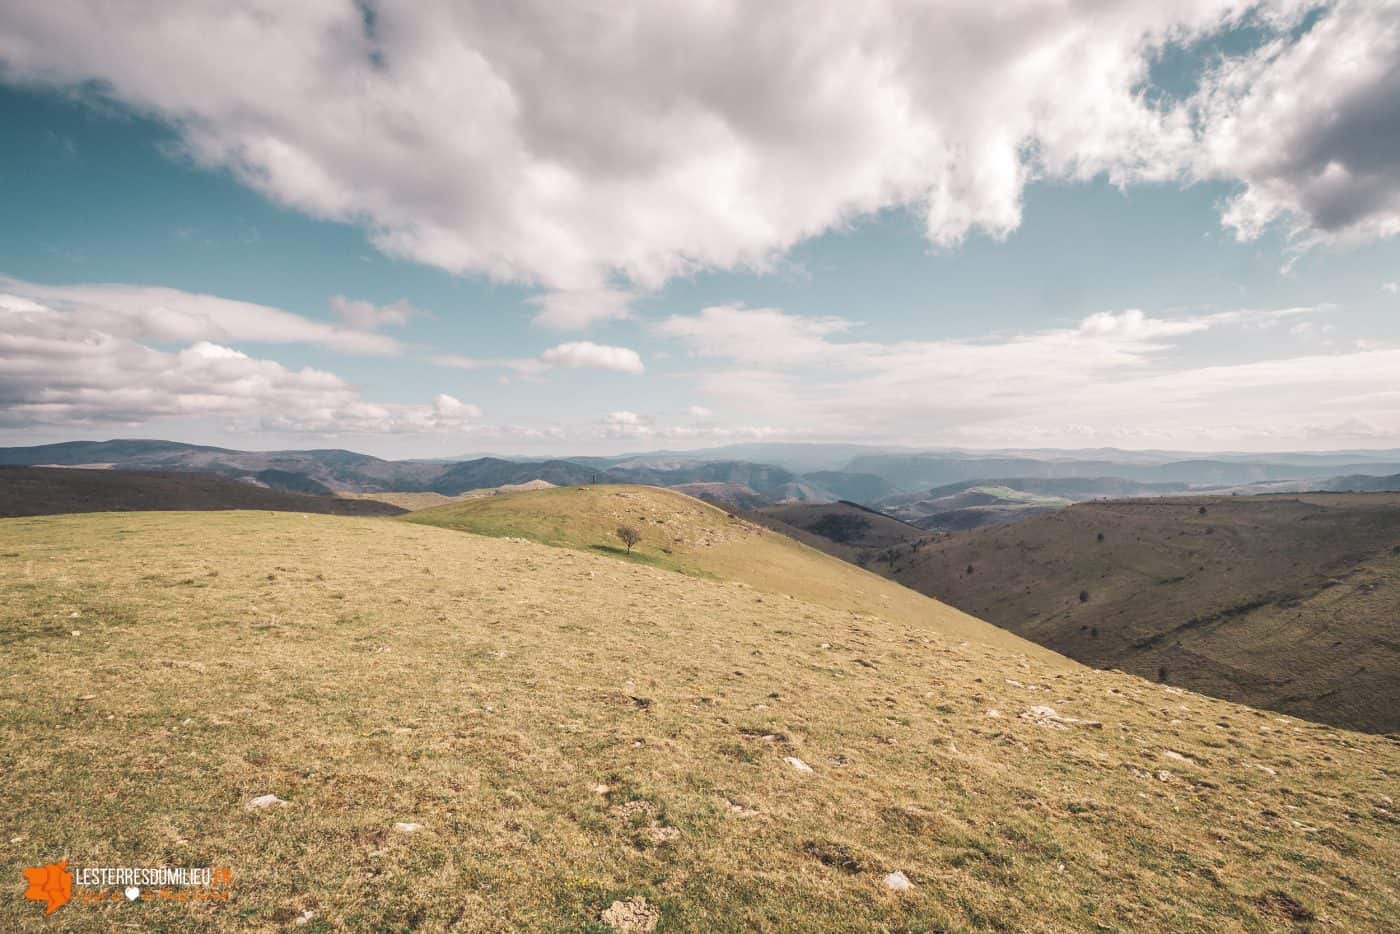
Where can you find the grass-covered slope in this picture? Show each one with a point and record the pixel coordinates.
(1282, 601)
(570, 730)
(681, 533)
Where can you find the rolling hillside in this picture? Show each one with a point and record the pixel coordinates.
(40, 491)
(684, 534)
(848, 531)
(476, 733)
(1285, 602)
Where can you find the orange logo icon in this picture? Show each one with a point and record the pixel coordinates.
(52, 883)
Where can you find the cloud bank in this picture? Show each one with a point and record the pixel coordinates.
(599, 149)
(81, 362)
(162, 315)
(1121, 378)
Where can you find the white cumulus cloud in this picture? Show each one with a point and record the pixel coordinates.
(596, 150)
(574, 355)
(58, 369)
(162, 315)
(586, 354)
(367, 316)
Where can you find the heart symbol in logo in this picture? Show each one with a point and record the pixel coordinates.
(132, 893)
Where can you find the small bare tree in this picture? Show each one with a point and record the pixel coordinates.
(629, 536)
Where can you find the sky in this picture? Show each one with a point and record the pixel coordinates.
(431, 229)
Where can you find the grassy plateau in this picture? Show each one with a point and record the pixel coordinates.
(570, 728)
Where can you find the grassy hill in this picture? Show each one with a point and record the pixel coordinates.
(34, 491)
(569, 730)
(686, 535)
(1285, 602)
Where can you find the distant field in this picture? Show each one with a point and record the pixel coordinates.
(415, 501)
(569, 730)
(407, 501)
(1290, 602)
(34, 491)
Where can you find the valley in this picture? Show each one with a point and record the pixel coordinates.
(1281, 601)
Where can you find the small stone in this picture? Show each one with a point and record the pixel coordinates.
(631, 915)
(797, 763)
(601, 789)
(263, 802)
(1164, 776)
(87, 697)
(407, 827)
(77, 632)
(1178, 757)
(659, 835)
(305, 918)
(897, 881)
(74, 615)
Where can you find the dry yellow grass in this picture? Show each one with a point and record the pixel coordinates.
(684, 534)
(373, 671)
(409, 500)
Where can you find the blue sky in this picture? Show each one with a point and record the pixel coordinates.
(232, 267)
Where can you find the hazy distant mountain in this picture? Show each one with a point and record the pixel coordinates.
(1361, 483)
(916, 471)
(904, 483)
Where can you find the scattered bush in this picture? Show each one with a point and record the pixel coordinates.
(629, 536)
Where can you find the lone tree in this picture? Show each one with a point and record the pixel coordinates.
(629, 536)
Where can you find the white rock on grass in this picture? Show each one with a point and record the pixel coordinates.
(305, 918)
(897, 881)
(407, 827)
(1048, 716)
(263, 802)
(797, 763)
(631, 915)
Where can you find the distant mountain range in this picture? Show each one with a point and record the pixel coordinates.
(914, 486)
